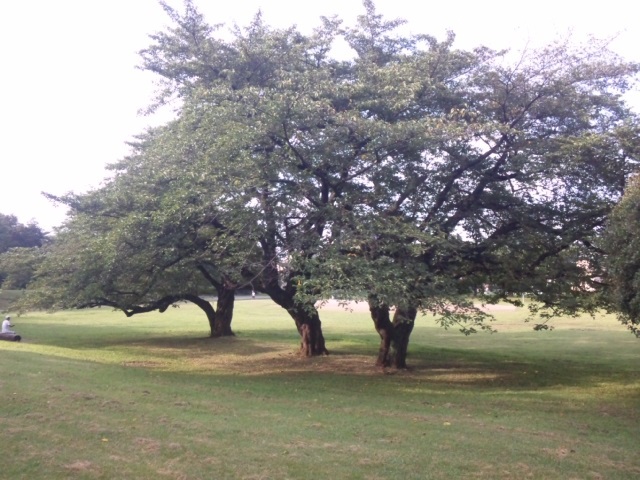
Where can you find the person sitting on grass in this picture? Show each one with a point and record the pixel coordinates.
(6, 325)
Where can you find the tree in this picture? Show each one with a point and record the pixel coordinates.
(411, 175)
(14, 234)
(18, 266)
(435, 170)
(86, 267)
(508, 180)
(244, 152)
(134, 244)
(622, 272)
(290, 126)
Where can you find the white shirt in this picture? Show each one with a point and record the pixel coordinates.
(6, 324)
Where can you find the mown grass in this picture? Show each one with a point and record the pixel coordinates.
(93, 394)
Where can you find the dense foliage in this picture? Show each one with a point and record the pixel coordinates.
(622, 242)
(19, 251)
(15, 234)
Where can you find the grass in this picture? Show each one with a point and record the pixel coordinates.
(96, 395)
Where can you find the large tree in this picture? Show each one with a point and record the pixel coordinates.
(498, 173)
(24, 238)
(144, 241)
(409, 175)
(16, 234)
(417, 172)
(292, 139)
(622, 244)
(244, 109)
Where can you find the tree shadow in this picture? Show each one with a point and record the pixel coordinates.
(274, 354)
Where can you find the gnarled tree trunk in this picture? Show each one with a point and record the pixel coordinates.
(404, 319)
(220, 319)
(310, 329)
(306, 318)
(384, 327)
(224, 313)
(394, 335)
(306, 315)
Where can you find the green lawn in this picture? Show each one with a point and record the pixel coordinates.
(93, 394)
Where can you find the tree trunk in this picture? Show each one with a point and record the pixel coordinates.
(224, 313)
(404, 319)
(305, 316)
(220, 321)
(310, 329)
(384, 327)
(394, 336)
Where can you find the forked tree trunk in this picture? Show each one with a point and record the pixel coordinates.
(220, 320)
(394, 336)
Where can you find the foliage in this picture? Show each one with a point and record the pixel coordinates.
(472, 167)
(622, 243)
(8, 298)
(15, 234)
(18, 265)
(135, 244)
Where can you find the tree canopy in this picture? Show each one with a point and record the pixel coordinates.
(19, 244)
(622, 272)
(15, 234)
(410, 175)
(134, 245)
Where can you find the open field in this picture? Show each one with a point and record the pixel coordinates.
(96, 395)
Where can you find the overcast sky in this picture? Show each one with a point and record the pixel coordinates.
(70, 92)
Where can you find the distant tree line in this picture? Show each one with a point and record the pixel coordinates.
(19, 251)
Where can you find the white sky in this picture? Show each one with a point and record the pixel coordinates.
(70, 92)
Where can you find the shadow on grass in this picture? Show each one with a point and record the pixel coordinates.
(273, 355)
(516, 360)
